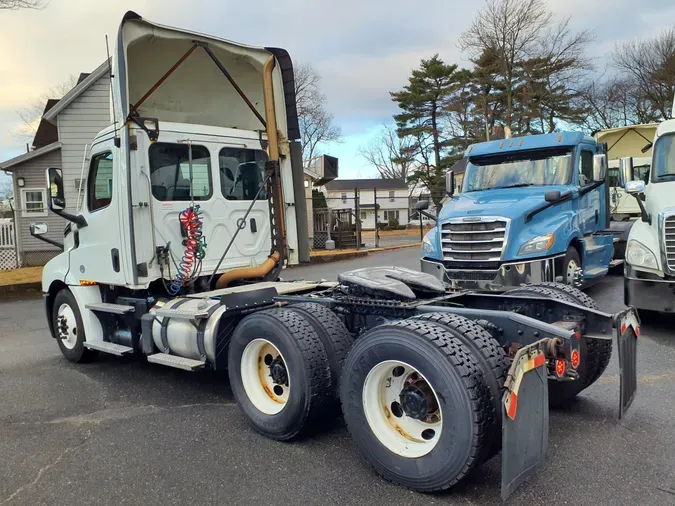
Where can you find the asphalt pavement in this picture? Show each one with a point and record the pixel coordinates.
(120, 431)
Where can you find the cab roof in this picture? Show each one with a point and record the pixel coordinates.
(541, 141)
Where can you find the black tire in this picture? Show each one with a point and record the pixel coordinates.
(306, 364)
(78, 353)
(447, 365)
(599, 351)
(561, 393)
(334, 336)
(572, 255)
(492, 361)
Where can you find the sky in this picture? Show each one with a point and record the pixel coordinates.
(362, 50)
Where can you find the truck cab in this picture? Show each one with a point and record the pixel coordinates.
(531, 209)
(650, 253)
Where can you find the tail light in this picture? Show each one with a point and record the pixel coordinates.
(560, 368)
(575, 359)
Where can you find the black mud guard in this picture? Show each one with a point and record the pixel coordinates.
(525, 420)
(627, 325)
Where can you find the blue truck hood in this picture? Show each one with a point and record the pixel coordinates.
(508, 202)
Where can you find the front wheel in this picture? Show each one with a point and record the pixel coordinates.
(69, 330)
(571, 267)
(414, 402)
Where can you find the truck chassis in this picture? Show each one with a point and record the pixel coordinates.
(431, 382)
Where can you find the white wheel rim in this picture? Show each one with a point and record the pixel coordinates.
(400, 433)
(266, 394)
(66, 326)
(571, 272)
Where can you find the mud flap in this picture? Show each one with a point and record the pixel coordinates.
(525, 420)
(628, 330)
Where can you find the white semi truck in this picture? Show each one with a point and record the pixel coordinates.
(650, 253)
(188, 218)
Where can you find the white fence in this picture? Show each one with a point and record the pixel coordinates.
(8, 256)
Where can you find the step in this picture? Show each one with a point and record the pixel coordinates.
(106, 307)
(106, 347)
(615, 263)
(184, 314)
(187, 364)
(597, 271)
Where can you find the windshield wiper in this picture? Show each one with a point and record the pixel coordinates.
(519, 185)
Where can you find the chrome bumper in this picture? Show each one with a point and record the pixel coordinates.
(508, 274)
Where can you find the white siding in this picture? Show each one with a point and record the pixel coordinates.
(78, 124)
(367, 198)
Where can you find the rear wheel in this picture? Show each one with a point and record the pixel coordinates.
(414, 403)
(561, 393)
(278, 372)
(334, 336)
(492, 361)
(68, 327)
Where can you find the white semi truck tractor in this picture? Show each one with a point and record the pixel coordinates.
(189, 216)
(650, 252)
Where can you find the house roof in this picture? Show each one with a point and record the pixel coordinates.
(459, 167)
(46, 133)
(366, 184)
(29, 156)
(81, 86)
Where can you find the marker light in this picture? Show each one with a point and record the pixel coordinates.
(576, 358)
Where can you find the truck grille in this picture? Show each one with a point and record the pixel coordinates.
(479, 241)
(669, 241)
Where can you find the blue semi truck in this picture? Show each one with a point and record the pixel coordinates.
(531, 209)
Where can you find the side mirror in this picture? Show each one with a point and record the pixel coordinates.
(552, 196)
(625, 170)
(635, 187)
(56, 197)
(39, 228)
(450, 182)
(422, 205)
(599, 167)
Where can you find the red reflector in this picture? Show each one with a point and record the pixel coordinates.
(623, 328)
(539, 360)
(637, 331)
(513, 406)
(578, 334)
(560, 368)
(575, 359)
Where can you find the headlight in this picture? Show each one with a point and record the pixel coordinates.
(639, 255)
(428, 246)
(537, 245)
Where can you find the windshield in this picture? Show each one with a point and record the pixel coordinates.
(664, 159)
(527, 168)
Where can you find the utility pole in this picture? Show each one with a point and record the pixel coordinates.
(357, 210)
(377, 221)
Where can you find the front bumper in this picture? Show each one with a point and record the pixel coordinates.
(508, 275)
(651, 294)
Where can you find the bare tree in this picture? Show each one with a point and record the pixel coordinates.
(516, 32)
(651, 63)
(389, 154)
(21, 4)
(32, 113)
(316, 123)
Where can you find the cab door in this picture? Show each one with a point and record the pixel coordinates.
(98, 257)
(591, 196)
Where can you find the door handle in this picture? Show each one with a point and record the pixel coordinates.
(254, 226)
(115, 257)
(597, 216)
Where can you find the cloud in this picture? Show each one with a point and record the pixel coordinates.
(363, 50)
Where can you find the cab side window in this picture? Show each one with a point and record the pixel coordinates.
(586, 168)
(100, 181)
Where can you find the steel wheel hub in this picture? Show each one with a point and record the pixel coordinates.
(264, 376)
(66, 326)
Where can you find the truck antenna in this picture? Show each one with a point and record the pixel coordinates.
(112, 98)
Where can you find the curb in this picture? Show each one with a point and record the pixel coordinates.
(339, 256)
(20, 291)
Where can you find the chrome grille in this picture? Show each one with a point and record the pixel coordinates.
(669, 241)
(479, 241)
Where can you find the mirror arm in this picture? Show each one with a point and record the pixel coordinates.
(428, 215)
(77, 219)
(49, 241)
(643, 211)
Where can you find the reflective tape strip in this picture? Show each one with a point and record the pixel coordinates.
(529, 364)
